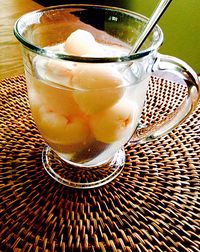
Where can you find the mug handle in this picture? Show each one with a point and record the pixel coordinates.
(169, 64)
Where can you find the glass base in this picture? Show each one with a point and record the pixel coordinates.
(82, 177)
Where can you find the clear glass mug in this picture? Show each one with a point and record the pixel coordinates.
(87, 94)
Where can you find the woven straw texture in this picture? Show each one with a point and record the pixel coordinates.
(153, 205)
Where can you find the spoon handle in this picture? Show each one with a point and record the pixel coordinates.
(158, 12)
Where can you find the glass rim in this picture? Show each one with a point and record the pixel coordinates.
(55, 55)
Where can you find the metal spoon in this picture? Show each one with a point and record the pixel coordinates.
(158, 12)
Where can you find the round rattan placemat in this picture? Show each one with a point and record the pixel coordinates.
(153, 205)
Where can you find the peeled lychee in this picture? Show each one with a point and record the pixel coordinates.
(97, 87)
(61, 130)
(115, 123)
(57, 99)
(58, 71)
(53, 70)
(80, 42)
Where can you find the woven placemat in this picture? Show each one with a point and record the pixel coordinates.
(153, 205)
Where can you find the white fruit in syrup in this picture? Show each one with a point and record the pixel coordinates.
(56, 99)
(61, 130)
(80, 42)
(97, 87)
(53, 70)
(59, 72)
(115, 123)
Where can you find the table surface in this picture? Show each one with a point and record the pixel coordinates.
(10, 57)
(153, 205)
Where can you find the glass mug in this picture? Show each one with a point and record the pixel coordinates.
(87, 93)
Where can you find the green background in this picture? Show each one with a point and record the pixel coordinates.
(180, 24)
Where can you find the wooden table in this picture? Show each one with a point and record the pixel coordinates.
(10, 51)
